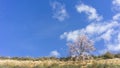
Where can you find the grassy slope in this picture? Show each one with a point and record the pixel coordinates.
(110, 63)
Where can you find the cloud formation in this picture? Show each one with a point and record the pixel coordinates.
(54, 53)
(116, 17)
(90, 11)
(59, 11)
(116, 4)
(108, 31)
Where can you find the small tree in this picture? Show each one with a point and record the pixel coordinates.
(81, 47)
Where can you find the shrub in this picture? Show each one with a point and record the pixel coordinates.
(108, 55)
(117, 55)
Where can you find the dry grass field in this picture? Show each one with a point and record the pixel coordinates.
(8, 63)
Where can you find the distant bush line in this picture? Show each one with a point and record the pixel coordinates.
(107, 55)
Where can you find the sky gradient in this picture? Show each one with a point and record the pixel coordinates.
(40, 28)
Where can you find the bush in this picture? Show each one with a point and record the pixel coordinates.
(108, 55)
(65, 58)
(117, 55)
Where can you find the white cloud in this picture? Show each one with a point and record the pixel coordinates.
(108, 31)
(71, 36)
(98, 28)
(113, 47)
(102, 30)
(107, 35)
(117, 17)
(59, 11)
(54, 53)
(90, 11)
(97, 31)
(116, 4)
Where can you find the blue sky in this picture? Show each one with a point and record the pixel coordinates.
(43, 27)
